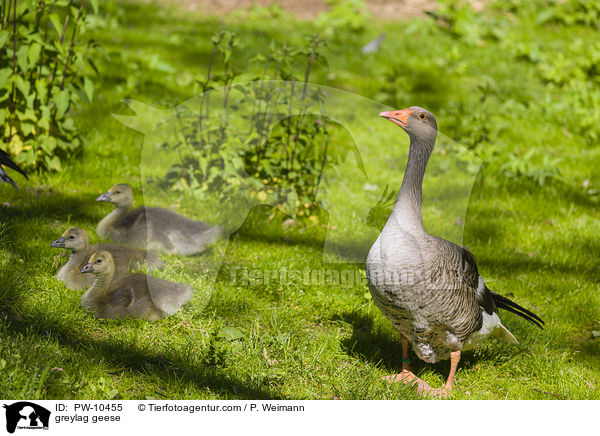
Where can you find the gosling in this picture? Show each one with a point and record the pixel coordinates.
(134, 295)
(153, 227)
(77, 241)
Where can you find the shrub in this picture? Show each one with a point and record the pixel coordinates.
(44, 73)
(264, 156)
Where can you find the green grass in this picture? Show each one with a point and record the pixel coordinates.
(292, 339)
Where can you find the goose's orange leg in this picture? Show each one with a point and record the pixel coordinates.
(454, 359)
(407, 376)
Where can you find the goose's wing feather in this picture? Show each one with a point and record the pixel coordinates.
(168, 296)
(482, 293)
(458, 301)
(169, 219)
(121, 294)
(454, 268)
(490, 301)
(174, 230)
(133, 219)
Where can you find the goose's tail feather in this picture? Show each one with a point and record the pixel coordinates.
(7, 161)
(510, 306)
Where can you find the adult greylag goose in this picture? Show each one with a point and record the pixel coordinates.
(76, 240)
(153, 227)
(429, 288)
(132, 295)
(7, 161)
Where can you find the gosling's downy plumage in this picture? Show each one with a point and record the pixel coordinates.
(133, 295)
(153, 227)
(76, 240)
(430, 288)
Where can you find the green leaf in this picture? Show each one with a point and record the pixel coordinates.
(68, 124)
(62, 102)
(41, 86)
(4, 36)
(29, 114)
(95, 5)
(230, 333)
(27, 157)
(4, 75)
(88, 88)
(22, 85)
(155, 63)
(56, 22)
(47, 143)
(22, 58)
(27, 128)
(53, 163)
(44, 122)
(34, 53)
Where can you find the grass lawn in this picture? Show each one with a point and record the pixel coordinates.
(294, 339)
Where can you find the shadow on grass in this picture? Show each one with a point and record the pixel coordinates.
(133, 359)
(27, 222)
(370, 343)
(259, 226)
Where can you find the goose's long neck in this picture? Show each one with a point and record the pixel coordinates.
(107, 222)
(76, 259)
(97, 290)
(70, 271)
(407, 212)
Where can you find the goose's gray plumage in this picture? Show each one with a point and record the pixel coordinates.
(153, 227)
(133, 295)
(430, 288)
(76, 240)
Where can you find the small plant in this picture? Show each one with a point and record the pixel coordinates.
(464, 23)
(522, 166)
(571, 12)
(574, 73)
(44, 73)
(281, 146)
(344, 16)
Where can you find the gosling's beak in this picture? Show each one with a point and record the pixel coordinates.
(104, 197)
(87, 268)
(397, 117)
(59, 243)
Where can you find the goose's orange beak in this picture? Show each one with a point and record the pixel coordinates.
(397, 117)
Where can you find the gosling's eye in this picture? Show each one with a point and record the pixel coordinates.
(117, 192)
(98, 260)
(422, 116)
(71, 237)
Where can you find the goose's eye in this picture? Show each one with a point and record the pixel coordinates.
(117, 192)
(71, 237)
(422, 116)
(98, 260)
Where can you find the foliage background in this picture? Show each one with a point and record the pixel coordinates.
(516, 83)
(46, 70)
